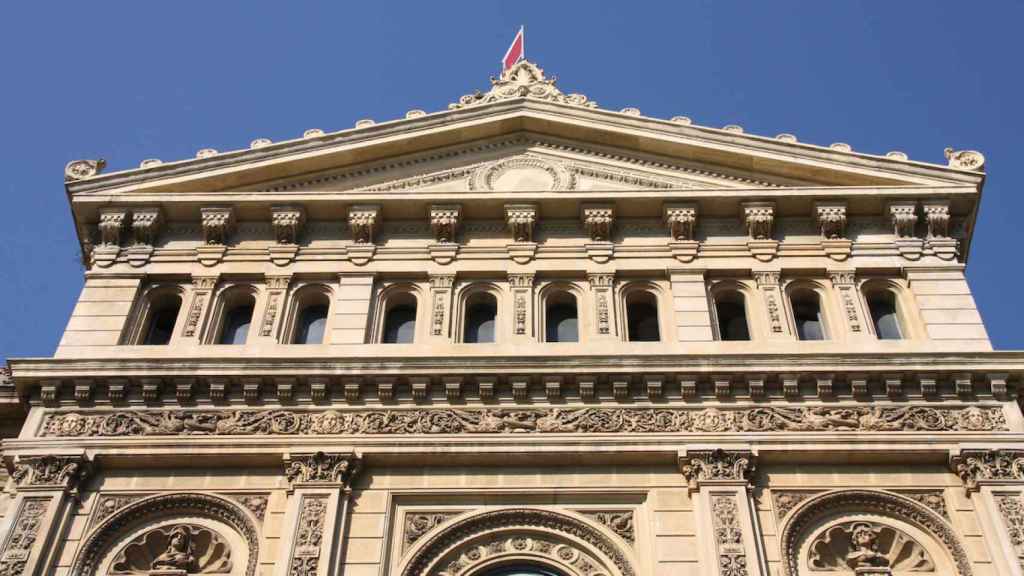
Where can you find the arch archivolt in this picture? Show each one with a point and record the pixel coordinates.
(195, 532)
(561, 541)
(839, 531)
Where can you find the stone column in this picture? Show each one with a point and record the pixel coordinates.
(994, 481)
(318, 504)
(727, 517)
(522, 307)
(47, 494)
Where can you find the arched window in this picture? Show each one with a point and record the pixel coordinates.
(522, 570)
(731, 312)
(561, 318)
(642, 317)
(237, 317)
(400, 319)
(311, 322)
(882, 305)
(161, 318)
(481, 318)
(810, 324)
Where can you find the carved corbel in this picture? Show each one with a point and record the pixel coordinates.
(444, 222)
(321, 468)
(49, 473)
(759, 220)
(287, 222)
(831, 219)
(997, 466)
(146, 225)
(521, 220)
(363, 221)
(111, 226)
(681, 220)
(903, 215)
(936, 213)
(218, 224)
(599, 221)
(728, 467)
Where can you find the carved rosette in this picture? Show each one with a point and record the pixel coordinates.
(831, 218)
(598, 220)
(521, 219)
(82, 169)
(717, 466)
(997, 466)
(287, 222)
(965, 159)
(50, 472)
(759, 219)
(363, 221)
(23, 535)
(444, 222)
(322, 468)
(523, 80)
(681, 220)
(218, 224)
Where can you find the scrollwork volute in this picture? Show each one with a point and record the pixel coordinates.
(701, 466)
(321, 467)
(523, 80)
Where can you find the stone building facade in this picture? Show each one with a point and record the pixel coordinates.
(523, 335)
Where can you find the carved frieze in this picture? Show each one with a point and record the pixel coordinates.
(700, 466)
(322, 467)
(287, 222)
(994, 466)
(523, 80)
(521, 219)
(23, 536)
(50, 472)
(530, 420)
(598, 220)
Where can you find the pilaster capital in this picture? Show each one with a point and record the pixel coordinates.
(51, 472)
(767, 278)
(288, 222)
(444, 221)
(218, 223)
(842, 277)
(204, 283)
(364, 220)
(977, 467)
(598, 219)
(442, 281)
(520, 279)
(717, 466)
(322, 468)
(601, 279)
(521, 219)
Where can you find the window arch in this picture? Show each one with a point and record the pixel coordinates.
(237, 307)
(400, 319)
(643, 320)
(808, 315)
(311, 311)
(732, 321)
(885, 307)
(159, 316)
(561, 315)
(480, 318)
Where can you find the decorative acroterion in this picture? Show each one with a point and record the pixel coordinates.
(523, 80)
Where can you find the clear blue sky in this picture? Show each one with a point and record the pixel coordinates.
(132, 80)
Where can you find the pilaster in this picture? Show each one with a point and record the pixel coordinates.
(352, 308)
(774, 305)
(199, 305)
(277, 295)
(318, 506)
(691, 318)
(994, 482)
(726, 513)
(844, 283)
(601, 285)
(47, 494)
(441, 307)
(523, 314)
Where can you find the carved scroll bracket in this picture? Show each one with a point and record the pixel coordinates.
(997, 466)
(599, 221)
(218, 224)
(681, 219)
(444, 222)
(322, 468)
(759, 220)
(288, 222)
(111, 228)
(146, 225)
(936, 213)
(831, 220)
(364, 221)
(903, 215)
(521, 220)
(50, 473)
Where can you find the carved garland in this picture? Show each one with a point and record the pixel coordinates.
(543, 520)
(539, 420)
(163, 506)
(810, 511)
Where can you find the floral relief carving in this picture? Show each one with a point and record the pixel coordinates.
(931, 499)
(184, 547)
(854, 545)
(305, 560)
(534, 420)
(1011, 508)
(57, 472)
(620, 522)
(322, 467)
(255, 503)
(700, 466)
(784, 501)
(523, 80)
(976, 466)
(23, 535)
(732, 556)
(107, 505)
(419, 523)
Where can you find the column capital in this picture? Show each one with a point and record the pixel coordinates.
(322, 469)
(717, 466)
(51, 473)
(978, 467)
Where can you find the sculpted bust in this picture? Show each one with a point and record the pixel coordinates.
(180, 554)
(864, 541)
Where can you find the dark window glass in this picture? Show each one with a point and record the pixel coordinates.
(522, 571)
(161, 322)
(481, 314)
(236, 325)
(883, 314)
(732, 318)
(562, 322)
(642, 318)
(400, 325)
(807, 314)
(311, 326)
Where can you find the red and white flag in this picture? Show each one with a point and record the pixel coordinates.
(515, 52)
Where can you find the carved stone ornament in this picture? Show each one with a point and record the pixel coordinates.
(465, 545)
(732, 554)
(931, 499)
(207, 549)
(699, 466)
(937, 217)
(759, 219)
(681, 220)
(848, 546)
(50, 472)
(321, 467)
(23, 535)
(904, 218)
(523, 80)
(188, 548)
(995, 466)
(218, 224)
(857, 546)
(363, 221)
(784, 501)
(598, 219)
(620, 522)
(111, 225)
(444, 222)
(419, 523)
(521, 219)
(82, 169)
(277, 422)
(287, 222)
(831, 218)
(146, 225)
(108, 504)
(1011, 509)
(305, 555)
(965, 159)
(525, 172)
